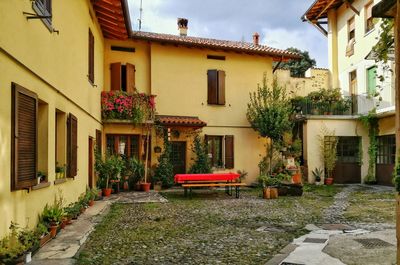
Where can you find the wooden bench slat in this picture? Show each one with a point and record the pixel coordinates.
(212, 185)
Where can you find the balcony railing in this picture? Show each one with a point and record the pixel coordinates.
(344, 106)
(120, 105)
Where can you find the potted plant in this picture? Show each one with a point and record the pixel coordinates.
(41, 177)
(43, 234)
(317, 174)
(15, 247)
(108, 170)
(52, 216)
(270, 186)
(60, 171)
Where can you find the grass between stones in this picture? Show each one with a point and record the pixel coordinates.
(211, 228)
(371, 207)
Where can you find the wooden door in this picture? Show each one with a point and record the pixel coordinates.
(90, 163)
(385, 159)
(178, 157)
(348, 168)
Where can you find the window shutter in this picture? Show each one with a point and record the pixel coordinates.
(98, 140)
(91, 57)
(72, 146)
(24, 140)
(212, 76)
(115, 76)
(130, 78)
(221, 87)
(229, 152)
(371, 74)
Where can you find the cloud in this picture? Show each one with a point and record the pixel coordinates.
(277, 21)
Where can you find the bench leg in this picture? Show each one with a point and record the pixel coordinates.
(237, 191)
(190, 191)
(185, 192)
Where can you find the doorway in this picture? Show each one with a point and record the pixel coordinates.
(178, 156)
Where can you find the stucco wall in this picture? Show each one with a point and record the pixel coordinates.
(342, 127)
(314, 80)
(362, 47)
(54, 66)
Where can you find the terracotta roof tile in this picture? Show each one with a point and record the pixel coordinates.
(214, 44)
(180, 121)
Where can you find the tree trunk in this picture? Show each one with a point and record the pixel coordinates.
(271, 153)
(146, 152)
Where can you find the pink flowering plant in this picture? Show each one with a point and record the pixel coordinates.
(121, 105)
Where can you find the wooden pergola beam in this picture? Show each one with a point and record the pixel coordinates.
(352, 7)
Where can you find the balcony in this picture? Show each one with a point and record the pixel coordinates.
(130, 107)
(325, 102)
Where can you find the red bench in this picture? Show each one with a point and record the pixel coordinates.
(227, 180)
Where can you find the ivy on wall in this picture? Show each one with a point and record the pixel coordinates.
(370, 122)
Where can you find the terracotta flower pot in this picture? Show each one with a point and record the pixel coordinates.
(296, 178)
(107, 192)
(329, 181)
(63, 223)
(270, 193)
(91, 202)
(126, 186)
(145, 187)
(44, 239)
(53, 230)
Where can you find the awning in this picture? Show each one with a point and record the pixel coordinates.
(180, 121)
(385, 9)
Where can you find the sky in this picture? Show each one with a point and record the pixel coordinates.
(278, 22)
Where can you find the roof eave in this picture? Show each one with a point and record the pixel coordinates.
(208, 46)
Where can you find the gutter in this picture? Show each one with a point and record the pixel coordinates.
(127, 17)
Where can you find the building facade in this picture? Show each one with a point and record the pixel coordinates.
(52, 64)
(351, 33)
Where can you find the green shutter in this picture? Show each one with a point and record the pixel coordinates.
(371, 78)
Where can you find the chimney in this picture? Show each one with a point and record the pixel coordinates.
(256, 38)
(183, 26)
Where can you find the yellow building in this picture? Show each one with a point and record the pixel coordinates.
(199, 84)
(351, 32)
(314, 80)
(52, 75)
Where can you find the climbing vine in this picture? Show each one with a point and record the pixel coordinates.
(370, 121)
(396, 175)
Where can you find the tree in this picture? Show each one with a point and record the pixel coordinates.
(202, 162)
(268, 113)
(165, 171)
(298, 68)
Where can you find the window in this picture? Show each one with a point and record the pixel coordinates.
(371, 80)
(60, 132)
(126, 145)
(348, 149)
(72, 146)
(91, 57)
(221, 151)
(353, 90)
(123, 77)
(24, 138)
(386, 152)
(98, 141)
(216, 87)
(43, 8)
(351, 36)
(369, 20)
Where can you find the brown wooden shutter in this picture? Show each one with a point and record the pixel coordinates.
(130, 78)
(221, 87)
(72, 146)
(115, 76)
(24, 140)
(229, 152)
(91, 57)
(212, 77)
(98, 140)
